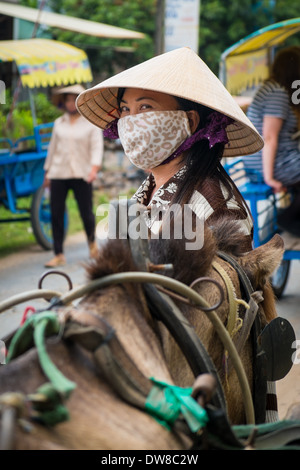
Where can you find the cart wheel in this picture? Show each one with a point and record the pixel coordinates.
(280, 277)
(41, 218)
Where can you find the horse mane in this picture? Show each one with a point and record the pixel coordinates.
(228, 234)
(115, 255)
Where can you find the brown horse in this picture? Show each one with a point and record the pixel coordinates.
(99, 418)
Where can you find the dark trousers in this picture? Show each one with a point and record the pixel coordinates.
(83, 195)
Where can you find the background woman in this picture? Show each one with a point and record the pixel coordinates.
(74, 158)
(275, 114)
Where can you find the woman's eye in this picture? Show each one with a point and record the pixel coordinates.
(145, 106)
(140, 108)
(123, 109)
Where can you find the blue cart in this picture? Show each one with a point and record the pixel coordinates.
(21, 175)
(242, 67)
(264, 206)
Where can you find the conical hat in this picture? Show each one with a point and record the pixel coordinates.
(181, 73)
(57, 95)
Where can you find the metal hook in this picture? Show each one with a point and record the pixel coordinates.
(188, 302)
(55, 271)
(209, 279)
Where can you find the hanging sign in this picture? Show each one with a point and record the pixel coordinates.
(182, 24)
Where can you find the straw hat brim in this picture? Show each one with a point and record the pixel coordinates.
(181, 73)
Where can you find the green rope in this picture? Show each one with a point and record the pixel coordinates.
(58, 380)
(166, 402)
(50, 411)
(34, 332)
(23, 338)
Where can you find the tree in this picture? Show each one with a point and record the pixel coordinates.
(109, 56)
(222, 23)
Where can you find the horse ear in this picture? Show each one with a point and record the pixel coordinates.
(261, 262)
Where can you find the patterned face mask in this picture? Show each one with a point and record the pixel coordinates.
(150, 138)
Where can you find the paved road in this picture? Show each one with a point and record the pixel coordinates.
(289, 305)
(20, 272)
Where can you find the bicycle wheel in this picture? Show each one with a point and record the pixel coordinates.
(280, 277)
(41, 218)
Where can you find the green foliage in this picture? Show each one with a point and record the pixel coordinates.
(20, 122)
(45, 110)
(222, 23)
(105, 54)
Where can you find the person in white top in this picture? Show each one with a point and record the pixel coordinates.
(73, 160)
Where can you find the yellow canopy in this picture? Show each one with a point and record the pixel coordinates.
(46, 62)
(246, 63)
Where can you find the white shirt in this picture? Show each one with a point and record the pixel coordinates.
(74, 148)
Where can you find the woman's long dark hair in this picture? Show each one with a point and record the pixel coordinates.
(286, 69)
(204, 163)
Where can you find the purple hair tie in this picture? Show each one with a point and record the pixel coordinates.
(214, 132)
(111, 132)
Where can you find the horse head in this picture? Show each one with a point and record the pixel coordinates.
(212, 274)
(116, 318)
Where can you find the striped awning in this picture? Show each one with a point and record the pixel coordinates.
(246, 63)
(46, 62)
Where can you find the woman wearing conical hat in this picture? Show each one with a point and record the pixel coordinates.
(177, 121)
(73, 159)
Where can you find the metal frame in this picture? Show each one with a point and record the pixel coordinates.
(21, 174)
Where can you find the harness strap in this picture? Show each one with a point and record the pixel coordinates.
(165, 310)
(259, 358)
(177, 324)
(165, 402)
(234, 322)
(242, 275)
(109, 354)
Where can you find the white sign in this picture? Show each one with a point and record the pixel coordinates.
(182, 24)
(2, 92)
(2, 352)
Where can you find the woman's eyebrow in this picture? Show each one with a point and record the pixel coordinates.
(139, 99)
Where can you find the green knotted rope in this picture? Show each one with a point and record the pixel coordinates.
(34, 332)
(166, 402)
(51, 410)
